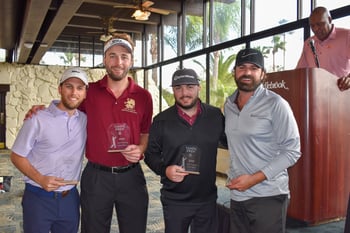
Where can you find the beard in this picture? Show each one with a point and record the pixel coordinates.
(70, 105)
(189, 105)
(247, 87)
(116, 77)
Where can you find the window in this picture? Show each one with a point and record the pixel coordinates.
(170, 42)
(226, 21)
(194, 25)
(272, 13)
(281, 51)
(2, 55)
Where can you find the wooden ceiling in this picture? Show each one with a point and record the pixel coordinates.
(28, 28)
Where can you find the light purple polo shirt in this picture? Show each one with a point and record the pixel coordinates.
(333, 53)
(54, 143)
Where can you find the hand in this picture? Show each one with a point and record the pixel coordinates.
(344, 83)
(132, 153)
(244, 182)
(33, 110)
(240, 183)
(51, 183)
(175, 173)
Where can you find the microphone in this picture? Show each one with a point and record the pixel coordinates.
(313, 49)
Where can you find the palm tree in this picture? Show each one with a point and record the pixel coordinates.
(225, 82)
(226, 20)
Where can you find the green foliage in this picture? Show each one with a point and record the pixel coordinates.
(226, 18)
(170, 37)
(168, 96)
(194, 31)
(69, 58)
(225, 81)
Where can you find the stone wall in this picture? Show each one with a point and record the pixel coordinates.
(37, 84)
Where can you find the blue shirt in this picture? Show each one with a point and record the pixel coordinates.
(54, 143)
(263, 136)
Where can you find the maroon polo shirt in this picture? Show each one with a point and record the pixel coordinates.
(133, 108)
(190, 119)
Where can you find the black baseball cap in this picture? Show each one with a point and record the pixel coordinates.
(249, 55)
(184, 77)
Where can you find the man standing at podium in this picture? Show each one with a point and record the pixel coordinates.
(328, 48)
(263, 141)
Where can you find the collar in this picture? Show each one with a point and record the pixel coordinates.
(333, 33)
(189, 119)
(54, 110)
(233, 98)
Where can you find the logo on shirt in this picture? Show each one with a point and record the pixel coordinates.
(129, 105)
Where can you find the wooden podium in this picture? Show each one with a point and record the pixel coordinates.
(320, 181)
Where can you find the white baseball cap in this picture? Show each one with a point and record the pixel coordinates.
(120, 42)
(74, 73)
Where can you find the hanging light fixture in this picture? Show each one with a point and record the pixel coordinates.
(105, 37)
(141, 15)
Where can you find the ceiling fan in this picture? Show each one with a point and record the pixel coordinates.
(108, 29)
(143, 9)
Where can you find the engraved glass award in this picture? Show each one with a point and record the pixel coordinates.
(190, 158)
(119, 137)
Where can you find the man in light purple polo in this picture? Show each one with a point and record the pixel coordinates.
(49, 151)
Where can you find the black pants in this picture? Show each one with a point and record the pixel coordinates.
(103, 191)
(200, 218)
(259, 215)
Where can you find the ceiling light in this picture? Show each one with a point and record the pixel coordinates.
(105, 37)
(28, 45)
(141, 15)
(44, 45)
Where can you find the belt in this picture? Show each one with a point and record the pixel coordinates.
(44, 193)
(114, 170)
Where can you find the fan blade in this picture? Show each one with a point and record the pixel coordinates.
(93, 32)
(121, 5)
(147, 4)
(159, 11)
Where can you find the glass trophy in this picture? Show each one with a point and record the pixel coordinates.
(190, 159)
(119, 137)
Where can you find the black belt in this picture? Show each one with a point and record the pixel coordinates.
(114, 170)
